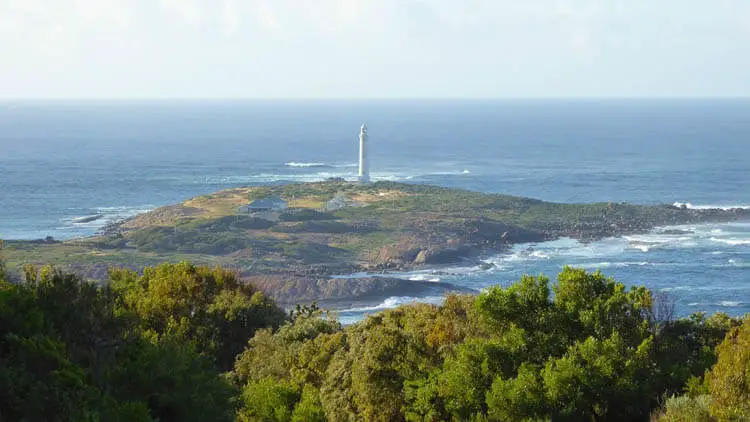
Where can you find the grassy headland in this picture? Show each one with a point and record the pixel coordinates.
(384, 226)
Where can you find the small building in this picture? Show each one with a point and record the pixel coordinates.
(271, 203)
(340, 201)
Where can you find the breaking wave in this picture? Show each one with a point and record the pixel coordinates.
(300, 177)
(302, 164)
(731, 241)
(107, 215)
(424, 277)
(312, 164)
(393, 302)
(723, 303)
(690, 206)
(602, 265)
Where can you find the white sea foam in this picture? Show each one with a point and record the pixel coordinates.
(393, 302)
(683, 288)
(691, 206)
(739, 264)
(78, 220)
(450, 173)
(642, 248)
(424, 277)
(602, 265)
(108, 215)
(731, 241)
(301, 177)
(688, 237)
(303, 164)
(730, 303)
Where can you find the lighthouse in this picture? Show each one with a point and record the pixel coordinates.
(364, 165)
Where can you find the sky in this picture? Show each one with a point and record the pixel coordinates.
(307, 49)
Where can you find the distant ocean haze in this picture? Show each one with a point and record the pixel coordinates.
(64, 160)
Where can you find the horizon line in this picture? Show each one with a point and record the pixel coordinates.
(362, 99)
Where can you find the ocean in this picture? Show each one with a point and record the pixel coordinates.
(64, 160)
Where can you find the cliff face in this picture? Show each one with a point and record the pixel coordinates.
(382, 226)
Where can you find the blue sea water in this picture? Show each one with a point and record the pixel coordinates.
(62, 160)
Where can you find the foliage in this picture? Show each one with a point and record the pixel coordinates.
(685, 408)
(71, 350)
(304, 214)
(268, 400)
(592, 351)
(729, 379)
(156, 347)
(210, 306)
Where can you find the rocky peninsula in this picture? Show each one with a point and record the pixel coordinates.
(336, 228)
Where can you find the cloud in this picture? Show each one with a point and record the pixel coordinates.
(266, 16)
(106, 13)
(230, 17)
(391, 47)
(190, 12)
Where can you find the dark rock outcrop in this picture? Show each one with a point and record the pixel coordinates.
(295, 289)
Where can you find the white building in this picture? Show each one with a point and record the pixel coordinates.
(271, 203)
(340, 201)
(364, 164)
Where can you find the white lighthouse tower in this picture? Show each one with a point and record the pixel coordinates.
(364, 165)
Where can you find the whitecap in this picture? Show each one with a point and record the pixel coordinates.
(298, 177)
(424, 277)
(303, 164)
(730, 303)
(393, 302)
(682, 288)
(107, 215)
(450, 173)
(606, 264)
(731, 242)
(691, 206)
(642, 248)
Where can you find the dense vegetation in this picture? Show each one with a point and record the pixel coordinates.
(182, 343)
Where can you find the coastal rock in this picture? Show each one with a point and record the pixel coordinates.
(293, 289)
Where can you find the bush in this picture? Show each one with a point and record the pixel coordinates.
(729, 379)
(686, 409)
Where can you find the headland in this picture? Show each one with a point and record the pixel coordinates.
(295, 241)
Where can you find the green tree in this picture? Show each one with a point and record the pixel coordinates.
(218, 312)
(729, 379)
(309, 408)
(600, 379)
(685, 349)
(518, 399)
(176, 383)
(67, 353)
(268, 400)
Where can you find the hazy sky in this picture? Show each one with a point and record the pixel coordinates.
(373, 48)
